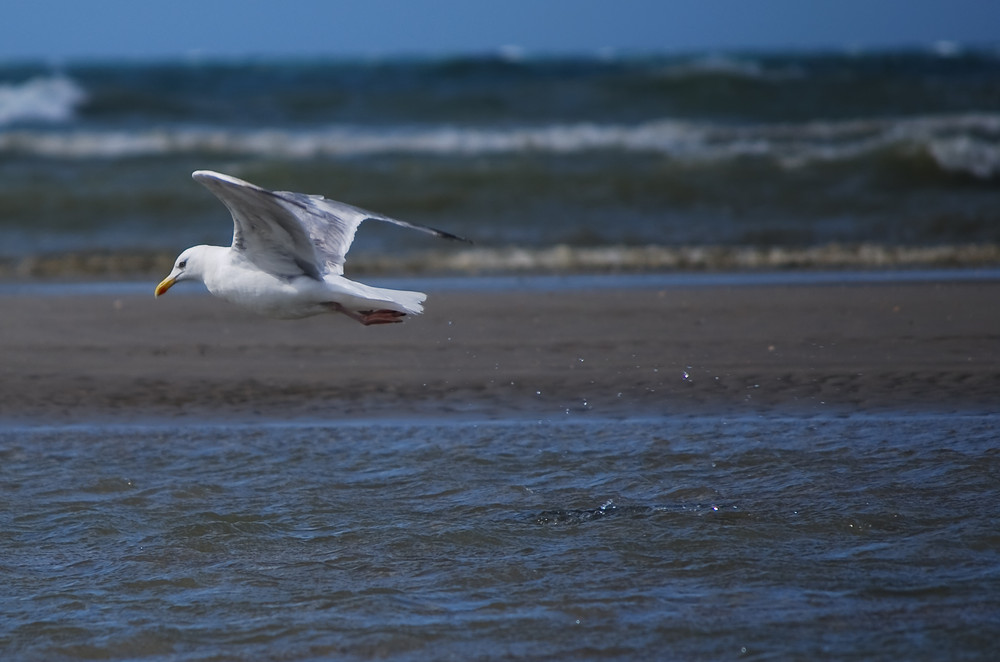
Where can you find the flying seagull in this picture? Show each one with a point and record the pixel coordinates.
(287, 257)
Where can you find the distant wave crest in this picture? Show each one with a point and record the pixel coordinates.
(40, 99)
(559, 259)
(721, 66)
(964, 143)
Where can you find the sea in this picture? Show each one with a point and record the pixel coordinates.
(581, 536)
(553, 164)
(688, 538)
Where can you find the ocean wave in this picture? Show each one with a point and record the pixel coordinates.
(615, 258)
(725, 66)
(963, 143)
(558, 259)
(40, 99)
(965, 154)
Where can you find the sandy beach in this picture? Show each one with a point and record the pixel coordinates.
(635, 352)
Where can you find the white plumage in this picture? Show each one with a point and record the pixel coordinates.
(287, 256)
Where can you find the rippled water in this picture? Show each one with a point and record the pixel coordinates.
(867, 538)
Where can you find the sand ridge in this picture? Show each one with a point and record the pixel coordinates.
(633, 352)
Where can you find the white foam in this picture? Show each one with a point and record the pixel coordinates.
(564, 259)
(655, 258)
(967, 143)
(967, 154)
(41, 99)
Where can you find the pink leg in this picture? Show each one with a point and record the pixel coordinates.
(369, 317)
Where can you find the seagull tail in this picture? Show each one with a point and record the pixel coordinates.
(360, 297)
(410, 303)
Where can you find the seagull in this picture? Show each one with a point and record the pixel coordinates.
(287, 257)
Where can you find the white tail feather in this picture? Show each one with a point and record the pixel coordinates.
(361, 297)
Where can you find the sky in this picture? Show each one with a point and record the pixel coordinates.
(56, 30)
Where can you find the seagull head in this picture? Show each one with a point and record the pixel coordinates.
(188, 266)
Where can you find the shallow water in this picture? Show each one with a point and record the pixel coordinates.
(867, 537)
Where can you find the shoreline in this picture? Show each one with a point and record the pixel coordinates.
(675, 350)
(556, 259)
(546, 282)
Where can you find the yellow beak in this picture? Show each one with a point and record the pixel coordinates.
(164, 285)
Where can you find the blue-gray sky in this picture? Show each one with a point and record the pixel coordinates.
(65, 29)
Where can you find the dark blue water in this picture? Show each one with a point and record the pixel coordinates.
(749, 150)
(857, 538)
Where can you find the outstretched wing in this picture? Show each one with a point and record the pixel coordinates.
(292, 233)
(268, 231)
(332, 225)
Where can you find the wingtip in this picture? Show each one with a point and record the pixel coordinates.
(448, 235)
(455, 237)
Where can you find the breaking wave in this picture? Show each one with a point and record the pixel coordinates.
(559, 259)
(40, 99)
(654, 258)
(963, 143)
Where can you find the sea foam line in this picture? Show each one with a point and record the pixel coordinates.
(558, 259)
(966, 143)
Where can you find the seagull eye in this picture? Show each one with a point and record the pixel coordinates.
(182, 264)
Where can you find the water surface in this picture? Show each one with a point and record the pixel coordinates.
(752, 150)
(868, 538)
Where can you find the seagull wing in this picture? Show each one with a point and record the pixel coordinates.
(268, 231)
(332, 225)
(285, 232)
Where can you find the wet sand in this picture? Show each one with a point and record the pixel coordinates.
(798, 349)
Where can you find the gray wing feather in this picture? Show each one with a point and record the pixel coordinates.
(265, 230)
(332, 225)
(285, 232)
